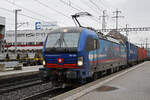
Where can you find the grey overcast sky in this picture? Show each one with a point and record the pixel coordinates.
(135, 12)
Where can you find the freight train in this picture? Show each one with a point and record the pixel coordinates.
(77, 55)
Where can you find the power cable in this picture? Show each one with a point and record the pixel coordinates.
(26, 9)
(59, 12)
(96, 5)
(103, 3)
(76, 8)
(96, 20)
(20, 14)
(69, 4)
(85, 3)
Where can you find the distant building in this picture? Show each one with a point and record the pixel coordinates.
(26, 39)
(2, 33)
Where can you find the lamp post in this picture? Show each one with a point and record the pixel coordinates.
(16, 23)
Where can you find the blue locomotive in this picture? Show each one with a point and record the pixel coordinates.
(76, 54)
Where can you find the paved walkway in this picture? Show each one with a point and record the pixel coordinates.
(135, 85)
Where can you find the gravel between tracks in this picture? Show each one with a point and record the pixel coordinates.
(24, 92)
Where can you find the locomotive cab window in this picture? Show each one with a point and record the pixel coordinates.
(62, 42)
(91, 44)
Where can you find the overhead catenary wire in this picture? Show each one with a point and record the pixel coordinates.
(69, 5)
(82, 1)
(76, 8)
(80, 9)
(51, 8)
(11, 11)
(92, 8)
(96, 5)
(27, 9)
(103, 3)
(96, 20)
(58, 11)
(85, 3)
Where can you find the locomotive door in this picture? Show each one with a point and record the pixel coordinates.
(92, 45)
(95, 53)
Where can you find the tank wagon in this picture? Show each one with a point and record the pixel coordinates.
(76, 54)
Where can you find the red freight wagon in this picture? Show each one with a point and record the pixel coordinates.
(144, 54)
(140, 54)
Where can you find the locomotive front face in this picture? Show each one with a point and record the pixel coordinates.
(61, 49)
(61, 54)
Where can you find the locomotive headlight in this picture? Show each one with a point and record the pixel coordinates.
(44, 62)
(80, 61)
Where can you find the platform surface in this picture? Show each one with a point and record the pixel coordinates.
(24, 71)
(134, 85)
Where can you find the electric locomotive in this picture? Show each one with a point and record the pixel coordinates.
(76, 54)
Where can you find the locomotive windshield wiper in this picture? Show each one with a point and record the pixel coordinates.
(64, 42)
(57, 42)
(60, 41)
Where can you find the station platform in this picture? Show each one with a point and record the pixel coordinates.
(130, 84)
(29, 70)
(134, 85)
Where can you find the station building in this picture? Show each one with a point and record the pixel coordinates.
(29, 39)
(26, 39)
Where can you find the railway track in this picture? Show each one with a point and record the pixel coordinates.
(32, 91)
(46, 94)
(23, 90)
(8, 82)
(26, 88)
(18, 86)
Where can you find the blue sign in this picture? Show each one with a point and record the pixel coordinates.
(37, 25)
(45, 25)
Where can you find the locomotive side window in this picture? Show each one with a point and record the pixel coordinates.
(96, 44)
(91, 44)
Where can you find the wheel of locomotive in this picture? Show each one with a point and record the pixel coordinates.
(108, 71)
(117, 69)
(114, 70)
(44, 79)
(95, 76)
(58, 84)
